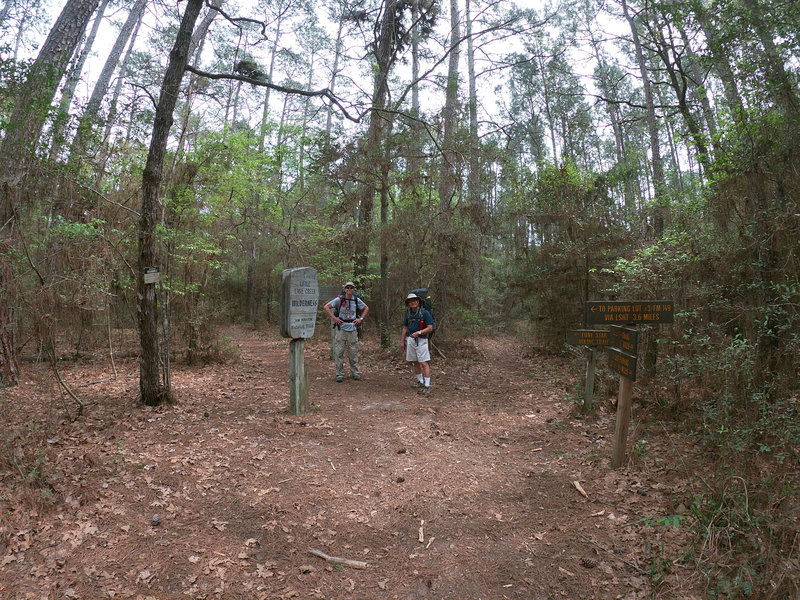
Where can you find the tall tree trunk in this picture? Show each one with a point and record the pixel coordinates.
(68, 92)
(447, 178)
(780, 86)
(273, 56)
(722, 65)
(152, 392)
(329, 117)
(91, 114)
(474, 181)
(33, 102)
(659, 183)
(372, 155)
(100, 170)
(657, 165)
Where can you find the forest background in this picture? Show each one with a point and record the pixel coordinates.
(517, 161)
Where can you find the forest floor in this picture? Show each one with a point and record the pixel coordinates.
(492, 487)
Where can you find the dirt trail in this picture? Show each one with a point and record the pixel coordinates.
(468, 493)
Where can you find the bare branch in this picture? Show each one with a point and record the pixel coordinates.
(324, 93)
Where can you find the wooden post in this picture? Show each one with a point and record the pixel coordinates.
(298, 377)
(300, 294)
(623, 420)
(588, 392)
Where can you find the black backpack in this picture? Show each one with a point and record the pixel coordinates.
(427, 304)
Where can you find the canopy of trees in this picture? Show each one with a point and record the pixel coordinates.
(517, 161)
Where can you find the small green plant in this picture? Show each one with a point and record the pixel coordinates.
(639, 449)
(36, 473)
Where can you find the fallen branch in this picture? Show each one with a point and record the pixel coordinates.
(356, 564)
(619, 558)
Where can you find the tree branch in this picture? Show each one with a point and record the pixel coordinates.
(324, 93)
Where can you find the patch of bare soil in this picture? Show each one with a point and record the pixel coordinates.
(475, 492)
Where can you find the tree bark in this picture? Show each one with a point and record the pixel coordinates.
(33, 102)
(92, 112)
(447, 176)
(372, 155)
(151, 390)
(67, 94)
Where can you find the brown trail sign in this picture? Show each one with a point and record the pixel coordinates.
(622, 363)
(588, 337)
(610, 312)
(623, 345)
(624, 338)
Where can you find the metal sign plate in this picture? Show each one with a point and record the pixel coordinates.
(618, 312)
(624, 338)
(588, 337)
(622, 363)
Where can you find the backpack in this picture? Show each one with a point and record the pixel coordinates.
(356, 297)
(427, 304)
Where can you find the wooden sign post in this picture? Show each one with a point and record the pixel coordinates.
(591, 338)
(622, 350)
(300, 298)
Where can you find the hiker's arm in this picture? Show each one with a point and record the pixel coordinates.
(329, 309)
(363, 313)
(429, 327)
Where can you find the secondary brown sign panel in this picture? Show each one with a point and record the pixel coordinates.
(622, 363)
(588, 337)
(618, 312)
(624, 338)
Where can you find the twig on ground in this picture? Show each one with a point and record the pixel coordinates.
(356, 564)
(628, 563)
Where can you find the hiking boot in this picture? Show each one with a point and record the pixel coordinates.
(339, 379)
(417, 385)
(357, 377)
(425, 391)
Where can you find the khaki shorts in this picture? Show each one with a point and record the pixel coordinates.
(417, 350)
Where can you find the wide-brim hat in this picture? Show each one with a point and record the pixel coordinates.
(349, 283)
(412, 296)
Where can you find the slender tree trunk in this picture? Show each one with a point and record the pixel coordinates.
(152, 392)
(447, 179)
(783, 91)
(112, 109)
(372, 155)
(91, 114)
(659, 182)
(33, 102)
(722, 66)
(474, 181)
(273, 56)
(68, 92)
(329, 117)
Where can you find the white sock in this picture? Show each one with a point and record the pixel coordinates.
(427, 382)
(419, 377)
